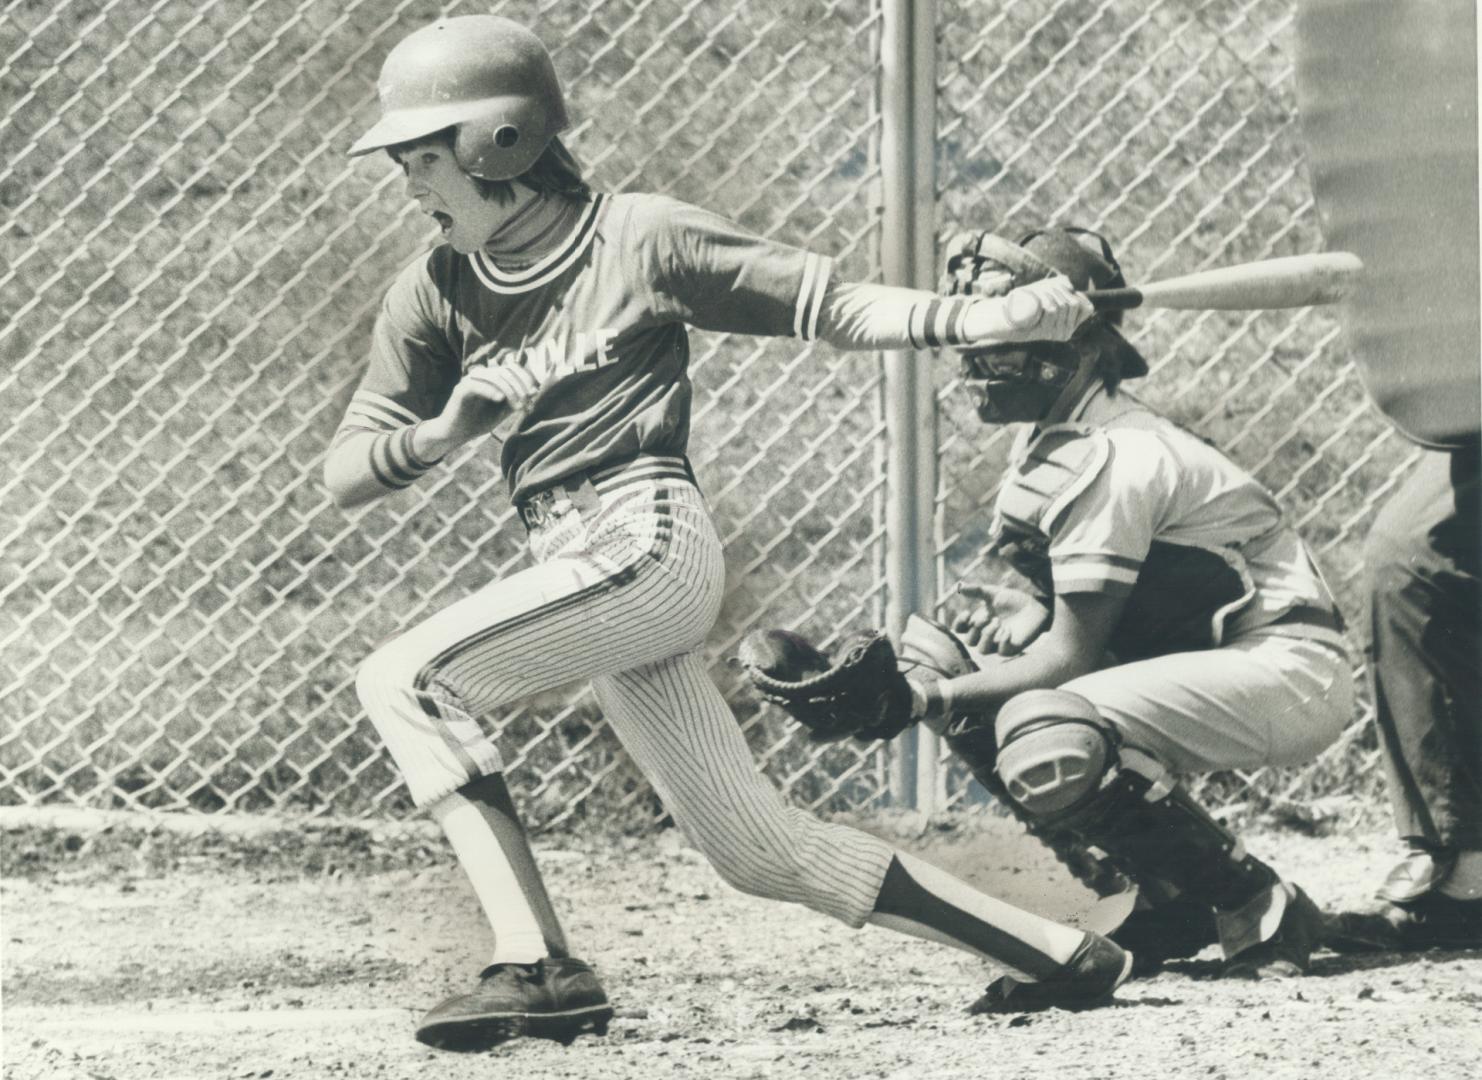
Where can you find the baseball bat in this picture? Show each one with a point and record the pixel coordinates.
(1290, 282)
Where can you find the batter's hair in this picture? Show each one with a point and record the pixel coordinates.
(555, 172)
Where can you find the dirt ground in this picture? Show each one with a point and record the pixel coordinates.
(153, 953)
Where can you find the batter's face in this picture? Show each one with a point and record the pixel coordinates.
(452, 197)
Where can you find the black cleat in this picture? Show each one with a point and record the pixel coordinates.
(1087, 980)
(550, 999)
(1288, 951)
(1173, 930)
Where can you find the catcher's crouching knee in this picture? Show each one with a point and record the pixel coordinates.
(1054, 749)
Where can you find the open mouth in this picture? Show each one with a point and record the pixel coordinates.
(444, 222)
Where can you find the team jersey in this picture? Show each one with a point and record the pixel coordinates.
(1124, 502)
(600, 321)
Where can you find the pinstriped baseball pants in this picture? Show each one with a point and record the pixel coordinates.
(623, 594)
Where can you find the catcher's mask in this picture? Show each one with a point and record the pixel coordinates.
(487, 77)
(1030, 381)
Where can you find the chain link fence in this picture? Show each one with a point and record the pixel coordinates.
(192, 266)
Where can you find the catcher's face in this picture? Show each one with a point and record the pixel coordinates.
(1018, 383)
(442, 189)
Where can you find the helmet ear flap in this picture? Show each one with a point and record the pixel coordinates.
(505, 141)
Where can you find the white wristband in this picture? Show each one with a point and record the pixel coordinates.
(919, 702)
(918, 699)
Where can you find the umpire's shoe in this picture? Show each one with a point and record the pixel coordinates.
(549, 999)
(1418, 913)
(1432, 921)
(1087, 980)
(1283, 953)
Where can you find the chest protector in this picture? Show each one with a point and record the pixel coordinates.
(1183, 594)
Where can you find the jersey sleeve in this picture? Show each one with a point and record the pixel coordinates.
(410, 374)
(1099, 540)
(412, 367)
(712, 274)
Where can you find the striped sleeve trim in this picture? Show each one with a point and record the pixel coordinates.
(379, 411)
(938, 321)
(404, 441)
(393, 462)
(816, 271)
(1112, 574)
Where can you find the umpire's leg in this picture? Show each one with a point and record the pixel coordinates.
(1422, 559)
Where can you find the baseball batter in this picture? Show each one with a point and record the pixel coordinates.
(560, 316)
(1172, 623)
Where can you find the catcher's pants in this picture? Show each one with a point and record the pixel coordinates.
(629, 583)
(1262, 699)
(1424, 565)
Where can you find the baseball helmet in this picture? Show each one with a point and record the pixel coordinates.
(488, 77)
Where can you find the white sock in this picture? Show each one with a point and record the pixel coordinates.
(1043, 935)
(517, 936)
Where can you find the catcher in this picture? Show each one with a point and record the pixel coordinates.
(1171, 622)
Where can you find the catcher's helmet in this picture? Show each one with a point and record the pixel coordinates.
(486, 76)
(1064, 250)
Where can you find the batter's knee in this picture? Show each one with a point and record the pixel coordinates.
(383, 677)
(1054, 750)
(436, 744)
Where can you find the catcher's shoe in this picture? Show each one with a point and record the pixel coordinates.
(1087, 980)
(1432, 921)
(1173, 930)
(549, 999)
(1288, 951)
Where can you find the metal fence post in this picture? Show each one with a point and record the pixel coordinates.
(908, 128)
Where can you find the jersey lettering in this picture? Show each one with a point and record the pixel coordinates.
(558, 356)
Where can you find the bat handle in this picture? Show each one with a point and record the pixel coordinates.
(1114, 299)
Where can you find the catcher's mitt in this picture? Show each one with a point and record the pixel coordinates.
(862, 695)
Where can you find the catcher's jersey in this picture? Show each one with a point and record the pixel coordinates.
(601, 324)
(1125, 502)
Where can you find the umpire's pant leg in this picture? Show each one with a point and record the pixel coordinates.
(1422, 562)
